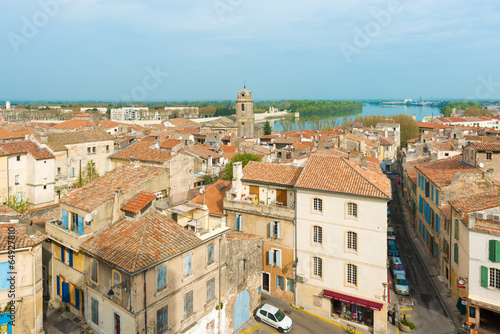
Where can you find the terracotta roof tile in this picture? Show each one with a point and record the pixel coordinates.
(5, 210)
(202, 152)
(170, 143)
(446, 210)
(442, 172)
(143, 150)
(21, 239)
(214, 197)
(477, 202)
(338, 174)
(103, 189)
(182, 122)
(19, 147)
(18, 134)
(238, 235)
(109, 124)
(487, 146)
(384, 141)
(74, 124)
(133, 245)
(264, 172)
(139, 202)
(409, 166)
(58, 141)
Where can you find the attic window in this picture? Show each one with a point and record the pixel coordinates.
(18, 158)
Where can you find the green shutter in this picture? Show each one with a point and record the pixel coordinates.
(493, 244)
(456, 229)
(484, 276)
(456, 253)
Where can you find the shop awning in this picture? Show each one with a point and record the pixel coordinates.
(352, 300)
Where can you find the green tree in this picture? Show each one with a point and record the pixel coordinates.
(17, 203)
(87, 175)
(267, 128)
(244, 158)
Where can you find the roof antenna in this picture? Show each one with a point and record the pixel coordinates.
(244, 85)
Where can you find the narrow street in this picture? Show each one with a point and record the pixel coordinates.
(423, 306)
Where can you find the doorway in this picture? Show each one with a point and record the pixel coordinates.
(265, 282)
(117, 323)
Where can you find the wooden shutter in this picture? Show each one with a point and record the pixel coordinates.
(161, 277)
(70, 256)
(484, 276)
(281, 196)
(492, 250)
(188, 264)
(80, 225)
(65, 219)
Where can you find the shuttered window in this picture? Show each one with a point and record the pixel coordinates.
(95, 311)
(188, 304)
(188, 264)
(210, 290)
(210, 253)
(242, 272)
(456, 229)
(455, 252)
(494, 251)
(94, 275)
(161, 277)
(162, 320)
(484, 276)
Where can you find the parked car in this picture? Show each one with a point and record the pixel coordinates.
(392, 250)
(390, 234)
(274, 317)
(401, 285)
(397, 266)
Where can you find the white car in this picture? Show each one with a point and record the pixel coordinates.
(274, 317)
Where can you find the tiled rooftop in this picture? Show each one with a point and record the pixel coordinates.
(338, 174)
(477, 202)
(21, 239)
(103, 189)
(74, 124)
(20, 147)
(57, 141)
(384, 141)
(214, 197)
(182, 122)
(202, 152)
(143, 150)
(139, 202)
(132, 245)
(494, 147)
(170, 143)
(5, 210)
(442, 172)
(264, 172)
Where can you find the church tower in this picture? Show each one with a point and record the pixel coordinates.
(244, 114)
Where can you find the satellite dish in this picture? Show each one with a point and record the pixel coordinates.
(481, 165)
(88, 217)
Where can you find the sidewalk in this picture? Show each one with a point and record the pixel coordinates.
(62, 322)
(447, 301)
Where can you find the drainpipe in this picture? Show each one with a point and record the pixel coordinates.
(220, 264)
(8, 186)
(34, 290)
(296, 260)
(145, 307)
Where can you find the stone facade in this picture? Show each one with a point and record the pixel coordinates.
(244, 114)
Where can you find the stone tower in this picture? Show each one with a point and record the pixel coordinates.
(244, 114)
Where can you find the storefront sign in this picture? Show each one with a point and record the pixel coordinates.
(464, 299)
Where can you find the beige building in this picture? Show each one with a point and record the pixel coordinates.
(341, 230)
(262, 202)
(72, 151)
(26, 172)
(125, 191)
(21, 293)
(485, 156)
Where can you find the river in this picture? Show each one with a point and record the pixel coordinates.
(336, 119)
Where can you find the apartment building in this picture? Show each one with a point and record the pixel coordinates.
(484, 155)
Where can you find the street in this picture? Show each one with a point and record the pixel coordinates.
(302, 322)
(422, 306)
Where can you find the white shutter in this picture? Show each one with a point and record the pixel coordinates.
(271, 229)
(278, 258)
(278, 230)
(270, 257)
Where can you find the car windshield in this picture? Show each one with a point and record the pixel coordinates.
(402, 282)
(399, 267)
(280, 315)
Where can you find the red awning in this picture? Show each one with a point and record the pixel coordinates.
(352, 300)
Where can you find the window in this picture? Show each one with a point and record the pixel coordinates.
(352, 274)
(162, 320)
(488, 155)
(210, 253)
(352, 241)
(58, 170)
(274, 230)
(107, 148)
(455, 252)
(242, 272)
(210, 290)
(352, 210)
(95, 311)
(274, 257)
(16, 180)
(188, 304)
(117, 279)
(239, 222)
(290, 285)
(495, 278)
(18, 158)
(161, 277)
(318, 235)
(456, 229)
(94, 271)
(318, 267)
(93, 150)
(89, 150)
(280, 283)
(494, 251)
(318, 205)
(44, 187)
(188, 264)
(242, 107)
(72, 172)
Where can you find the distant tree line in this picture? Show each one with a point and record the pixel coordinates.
(446, 107)
(319, 107)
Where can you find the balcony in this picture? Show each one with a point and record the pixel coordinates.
(274, 210)
(65, 237)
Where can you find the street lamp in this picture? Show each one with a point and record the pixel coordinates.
(122, 285)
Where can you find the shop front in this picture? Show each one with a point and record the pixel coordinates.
(352, 308)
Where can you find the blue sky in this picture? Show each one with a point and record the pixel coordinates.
(315, 49)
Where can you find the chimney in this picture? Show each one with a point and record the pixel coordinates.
(364, 161)
(44, 138)
(472, 220)
(210, 162)
(237, 175)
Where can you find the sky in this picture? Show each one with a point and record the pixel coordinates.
(164, 50)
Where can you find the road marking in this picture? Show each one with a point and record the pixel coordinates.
(321, 318)
(406, 309)
(251, 329)
(407, 315)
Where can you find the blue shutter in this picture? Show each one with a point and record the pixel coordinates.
(58, 285)
(427, 237)
(420, 204)
(437, 196)
(77, 298)
(278, 258)
(80, 225)
(271, 230)
(65, 219)
(70, 256)
(437, 254)
(433, 248)
(62, 254)
(438, 219)
(432, 192)
(65, 292)
(270, 257)
(161, 277)
(278, 230)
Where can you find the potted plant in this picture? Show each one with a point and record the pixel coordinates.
(406, 326)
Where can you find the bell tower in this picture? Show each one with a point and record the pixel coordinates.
(244, 113)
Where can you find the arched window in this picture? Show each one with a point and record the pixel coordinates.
(352, 240)
(352, 274)
(243, 107)
(352, 210)
(317, 267)
(317, 235)
(318, 205)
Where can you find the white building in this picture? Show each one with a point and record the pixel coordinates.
(127, 113)
(7, 105)
(341, 242)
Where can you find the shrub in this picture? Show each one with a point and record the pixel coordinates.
(408, 323)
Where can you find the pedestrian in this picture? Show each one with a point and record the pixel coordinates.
(394, 316)
(389, 315)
